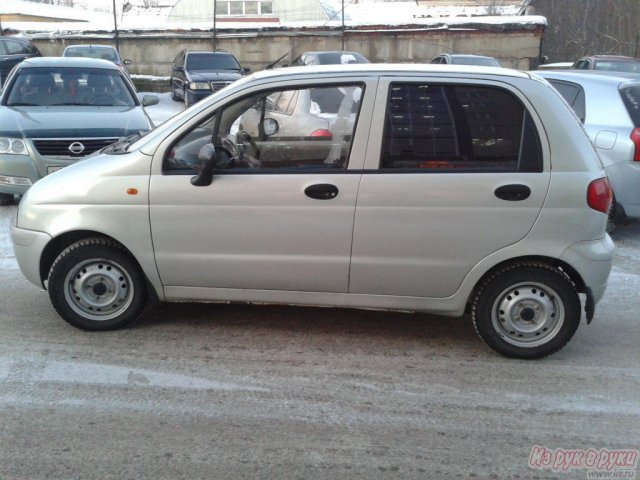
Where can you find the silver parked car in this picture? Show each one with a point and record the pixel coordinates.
(609, 106)
(56, 111)
(438, 190)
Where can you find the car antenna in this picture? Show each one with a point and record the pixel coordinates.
(273, 64)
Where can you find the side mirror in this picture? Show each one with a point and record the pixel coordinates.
(127, 62)
(209, 162)
(246, 70)
(270, 127)
(149, 100)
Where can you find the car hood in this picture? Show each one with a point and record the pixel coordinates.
(214, 75)
(72, 122)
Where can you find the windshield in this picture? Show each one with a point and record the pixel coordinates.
(211, 61)
(92, 52)
(56, 86)
(618, 66)
(340, 58)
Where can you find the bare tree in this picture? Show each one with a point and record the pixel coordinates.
(580, 27)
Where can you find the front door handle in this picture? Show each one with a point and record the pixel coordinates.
(513, 193)
(321, 191)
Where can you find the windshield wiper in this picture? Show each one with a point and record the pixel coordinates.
(123, 144)
(23, 104)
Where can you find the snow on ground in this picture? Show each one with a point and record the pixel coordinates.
(164, 110)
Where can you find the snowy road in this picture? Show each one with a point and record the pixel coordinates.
(230, 392)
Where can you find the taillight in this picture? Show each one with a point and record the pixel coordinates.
(321, 132)
(635, 138)
(600, 195)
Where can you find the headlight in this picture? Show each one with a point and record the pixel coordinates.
(12, 146)
(199, 86)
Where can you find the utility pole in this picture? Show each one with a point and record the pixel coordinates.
(342, 25)
(115, 24)
(214, 25)
(1, 25)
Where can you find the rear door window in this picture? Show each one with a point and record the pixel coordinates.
(458, 128)
(631, 98)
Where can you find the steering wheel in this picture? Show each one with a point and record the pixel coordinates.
(243, 137)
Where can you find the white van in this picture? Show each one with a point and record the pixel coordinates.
(428, 188)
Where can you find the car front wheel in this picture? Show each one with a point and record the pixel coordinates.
(527, 310)
(94, 284)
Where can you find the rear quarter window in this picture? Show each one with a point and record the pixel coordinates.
(631, 97)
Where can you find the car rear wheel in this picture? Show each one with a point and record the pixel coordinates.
(94, 284)
(526, 310)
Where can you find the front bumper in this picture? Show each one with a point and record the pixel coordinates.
(194, 96)
(28, 246)
(31, 167)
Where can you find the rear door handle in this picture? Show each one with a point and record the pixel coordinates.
(321, 191)
(513, 192)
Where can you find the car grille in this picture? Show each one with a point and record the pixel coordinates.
(60, 147)
(215, 86)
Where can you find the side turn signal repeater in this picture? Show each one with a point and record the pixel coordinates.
(132, 191)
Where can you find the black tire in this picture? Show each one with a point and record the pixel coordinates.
(94, 284)
(174, 97)
(526, 310)
(7, 199)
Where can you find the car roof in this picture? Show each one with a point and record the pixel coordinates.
(14, 38)
(105, 47)
(613, 57)
(217, 52)
(589, 76)
(392, 68)
(78, 62)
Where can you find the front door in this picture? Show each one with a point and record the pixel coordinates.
(280, 217)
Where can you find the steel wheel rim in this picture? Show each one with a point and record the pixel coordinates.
(98, 289)
(528, 314)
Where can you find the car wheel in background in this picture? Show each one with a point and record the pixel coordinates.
(6, 199)
(526, 310)
(174, 97)
(94, 284)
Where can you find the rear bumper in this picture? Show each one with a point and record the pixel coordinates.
(625, 181)
(593, 260)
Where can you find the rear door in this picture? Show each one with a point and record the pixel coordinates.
(456, 173)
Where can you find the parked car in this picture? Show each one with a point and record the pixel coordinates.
(13, 50)
(464, 59)
(328, 58)
(615, 63)
(609, 107)
(56, 111)
(196, 74)
(437, 192)
(105, 52)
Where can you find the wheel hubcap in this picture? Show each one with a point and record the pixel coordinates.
(98, 289)
(528, 314)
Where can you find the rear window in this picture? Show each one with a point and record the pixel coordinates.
(631, 98)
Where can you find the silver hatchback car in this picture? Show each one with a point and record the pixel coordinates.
(432, 189)
(609, 105)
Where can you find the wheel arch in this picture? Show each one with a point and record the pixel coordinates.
(58, 244)
(567, 269)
